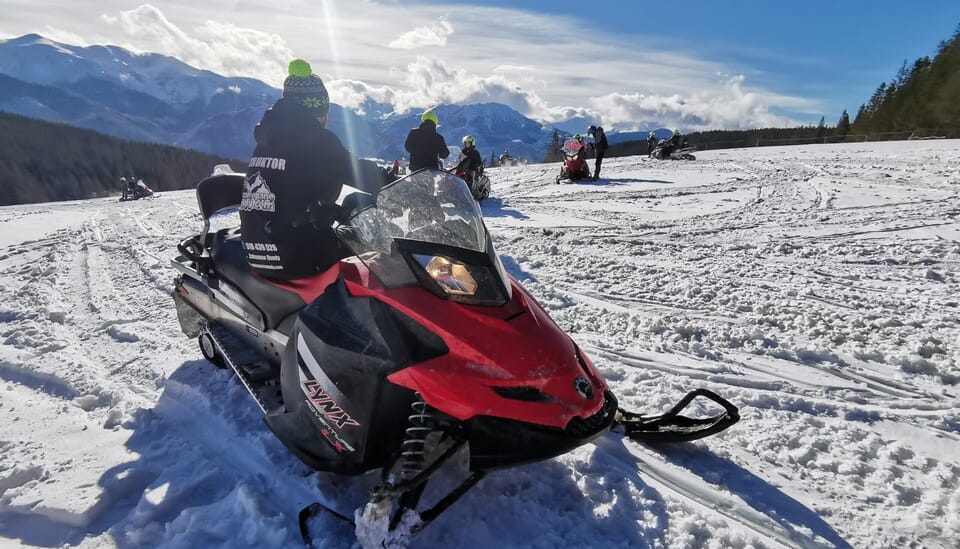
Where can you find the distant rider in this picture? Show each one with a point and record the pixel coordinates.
(471, 162)
(671, 145)
(424, 144)
(676, 140)
(581, 147)
(293, 180)
(600, 146)
(651, 143)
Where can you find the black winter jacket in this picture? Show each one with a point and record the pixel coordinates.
(424, 145)
(296, 166)
(600, 140)
(471, 160)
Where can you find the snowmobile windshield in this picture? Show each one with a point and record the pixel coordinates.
(427, 229)
(571, 148)
(427, 206)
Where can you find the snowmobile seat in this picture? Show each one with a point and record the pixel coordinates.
(230, 262)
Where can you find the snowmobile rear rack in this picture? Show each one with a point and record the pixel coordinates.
(673, 427)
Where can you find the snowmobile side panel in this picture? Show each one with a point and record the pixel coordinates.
(334, 381)
(213, 306)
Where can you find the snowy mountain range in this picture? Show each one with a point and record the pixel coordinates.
(156, 98)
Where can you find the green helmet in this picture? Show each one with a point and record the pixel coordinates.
(429, 115)
(652, 134)
(123, 178)
(676, 132)
(578, 137)
(469, 141)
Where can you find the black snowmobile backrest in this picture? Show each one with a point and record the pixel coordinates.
(217, 193)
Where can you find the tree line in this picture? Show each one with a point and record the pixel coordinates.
(42, 161)
(923, 98)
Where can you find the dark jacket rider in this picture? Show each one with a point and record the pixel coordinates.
(424, 144)
(600, 145)
(293, 180)
(471, 162)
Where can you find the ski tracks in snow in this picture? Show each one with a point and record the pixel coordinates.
(818, 297)
(814, 286)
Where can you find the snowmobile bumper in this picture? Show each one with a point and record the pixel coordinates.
(497, 442)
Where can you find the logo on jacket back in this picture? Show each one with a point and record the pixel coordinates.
(257, 195)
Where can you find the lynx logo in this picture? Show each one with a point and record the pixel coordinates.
(257, 195)
(326, 405)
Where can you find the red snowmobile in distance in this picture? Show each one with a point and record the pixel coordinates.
(414, 352)
(575, 165)
(135, 191)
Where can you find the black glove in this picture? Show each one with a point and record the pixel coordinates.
(318, 214)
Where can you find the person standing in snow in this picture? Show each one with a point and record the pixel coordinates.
(651, 143)
(599, 146)
(293, 180)
(425, 145)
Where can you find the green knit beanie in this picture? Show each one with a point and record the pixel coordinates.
(306, 88)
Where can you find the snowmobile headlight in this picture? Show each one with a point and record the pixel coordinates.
(451, 275)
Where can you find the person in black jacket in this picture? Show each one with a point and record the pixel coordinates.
(424, 144)
(471, 162)
(600, 145)
(651, 143)
(293, 180)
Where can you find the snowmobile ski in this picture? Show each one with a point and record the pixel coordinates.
(673, 427)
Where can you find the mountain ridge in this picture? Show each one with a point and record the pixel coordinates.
(155, 98)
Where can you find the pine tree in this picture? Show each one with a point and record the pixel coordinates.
(843, 125)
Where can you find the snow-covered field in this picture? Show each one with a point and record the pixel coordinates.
(816, 287)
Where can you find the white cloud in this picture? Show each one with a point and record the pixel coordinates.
(221, 47)
(421, 37)
(726, 106)
(544, 65)
(429, 81)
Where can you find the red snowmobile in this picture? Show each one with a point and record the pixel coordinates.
(575, 165)
(415, 349)
(135, 191)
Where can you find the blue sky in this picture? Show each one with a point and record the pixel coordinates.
(696, 64)
(837, 50)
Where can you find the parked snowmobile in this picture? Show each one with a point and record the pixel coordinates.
(666, 150)
(416, 348)
(135, 191)
(507, 160)
(575, 165)
(479, 186)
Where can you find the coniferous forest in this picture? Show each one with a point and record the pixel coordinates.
(922, 99)
(41, 162)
